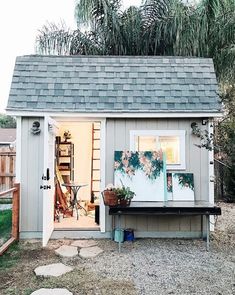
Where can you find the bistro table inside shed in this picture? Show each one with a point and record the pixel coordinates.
(75, 187)
(173, 208)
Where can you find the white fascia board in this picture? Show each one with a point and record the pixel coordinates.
(211, 174)
(107, 114)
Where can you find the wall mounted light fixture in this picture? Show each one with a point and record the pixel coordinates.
(35, 128)
(195, 129)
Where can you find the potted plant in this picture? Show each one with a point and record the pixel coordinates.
(110, 196)
(114, 196)
(124, 195)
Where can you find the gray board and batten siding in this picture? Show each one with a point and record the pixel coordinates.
(118, 138)
(114, 84)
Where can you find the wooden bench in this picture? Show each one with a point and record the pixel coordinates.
(169, 208)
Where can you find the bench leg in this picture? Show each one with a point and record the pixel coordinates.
(202, 227)
(119, 227)
(207, 232)
(113, 227)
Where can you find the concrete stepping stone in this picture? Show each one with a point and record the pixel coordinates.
(90, 252)
(52, 270)
(84, 243)
(52, 292)
(67, 251)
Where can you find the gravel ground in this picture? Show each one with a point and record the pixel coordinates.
(172, 266)
(145, 267)
(168, 267)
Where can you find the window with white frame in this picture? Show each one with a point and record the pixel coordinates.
(172, 142)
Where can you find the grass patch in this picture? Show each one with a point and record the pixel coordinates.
(10, 257)
(5, 225)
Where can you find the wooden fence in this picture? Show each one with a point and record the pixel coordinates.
(15, 193)
(7, 167)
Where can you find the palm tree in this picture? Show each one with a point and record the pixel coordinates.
(158, 27)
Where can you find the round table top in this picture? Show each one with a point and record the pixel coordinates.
(74, 184)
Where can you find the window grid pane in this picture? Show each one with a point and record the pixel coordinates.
(169, 144)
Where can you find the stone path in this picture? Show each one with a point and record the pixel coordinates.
(54, 270)
(88, 249)
(84, 243)
(52, 292)
(90, 252)
(67, 251)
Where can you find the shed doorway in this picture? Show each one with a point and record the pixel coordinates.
(77, 162)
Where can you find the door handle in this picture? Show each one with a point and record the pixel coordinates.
(47, 177)
(48, 174)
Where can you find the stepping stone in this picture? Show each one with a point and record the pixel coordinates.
(52, 270)
(52, 292)
(90, 252)
(67, 251)
(84, 243)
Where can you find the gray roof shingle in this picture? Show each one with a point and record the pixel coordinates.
(113, 84)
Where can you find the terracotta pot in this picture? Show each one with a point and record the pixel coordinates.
(110, 198)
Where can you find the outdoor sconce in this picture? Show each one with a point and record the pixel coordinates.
(35, 128)
(195, 129)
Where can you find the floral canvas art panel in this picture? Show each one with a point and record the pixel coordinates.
(169, 187)
(183, 186)
(142, 172)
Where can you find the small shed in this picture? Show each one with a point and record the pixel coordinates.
(108, 104)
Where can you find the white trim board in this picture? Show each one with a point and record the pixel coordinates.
(102, 171)
(75, 234)
(18, 161)
(109, 114)
(211, 174)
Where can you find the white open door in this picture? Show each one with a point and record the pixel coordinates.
(48, 186)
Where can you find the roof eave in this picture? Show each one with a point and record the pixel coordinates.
(116, 113)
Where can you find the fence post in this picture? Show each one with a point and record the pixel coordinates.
(15, 211)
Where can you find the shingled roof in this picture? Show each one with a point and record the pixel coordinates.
(98, 84)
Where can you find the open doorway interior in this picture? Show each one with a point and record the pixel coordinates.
(77, 162)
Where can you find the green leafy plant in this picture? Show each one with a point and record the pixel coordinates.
(124, 193)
